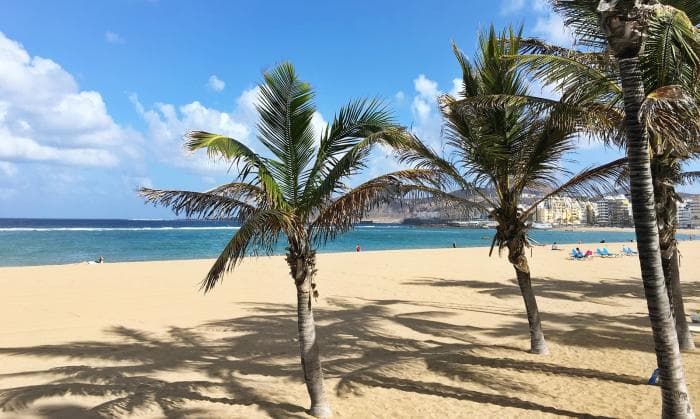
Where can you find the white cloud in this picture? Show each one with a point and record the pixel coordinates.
(551, 27)
(167, 124)
(427, 119)
(425, 87)
(319, 124)
(511, 6)
(46, 118)
(456, 87)
(216, 84)
(400, 96)
(548, 25)
(114, 38)
(19, 149)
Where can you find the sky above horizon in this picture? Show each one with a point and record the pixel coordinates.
(96, 96)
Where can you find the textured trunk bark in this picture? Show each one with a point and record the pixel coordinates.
(666, 214)
(302, 270)
(675, 398)
(685, 337)
(516, 256)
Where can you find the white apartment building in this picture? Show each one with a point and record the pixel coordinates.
(562, 211)
(683, 214)
(614, 211)
(694, 212)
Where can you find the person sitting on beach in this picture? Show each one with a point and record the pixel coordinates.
(555, 246)
(101, 259)
(579, 254)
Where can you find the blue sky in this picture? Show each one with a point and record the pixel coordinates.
(95, 96)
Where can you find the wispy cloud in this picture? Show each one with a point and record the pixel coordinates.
(216, 84)
(511, 6)
(548, 24)
(114, 38)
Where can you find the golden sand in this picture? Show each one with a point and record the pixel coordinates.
(421, 334)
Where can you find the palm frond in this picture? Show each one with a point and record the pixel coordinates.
(470, 82)
(285, 106)
(673, 116)
(260, 232)
(594, 182)
(351, 127)
(691, 8)
(412, 151)
(237, 153)
(671, 53)
(688, 178)
(582, 17)
(575, 77)
(207, 205)
(340, 215)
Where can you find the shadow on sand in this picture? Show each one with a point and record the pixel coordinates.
(356, 348)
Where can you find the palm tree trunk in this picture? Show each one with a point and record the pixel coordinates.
(674, 392)
(302, 267)
(672, 271)
(666, 214)
(516, 256)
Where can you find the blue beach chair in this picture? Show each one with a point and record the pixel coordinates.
(607, 253)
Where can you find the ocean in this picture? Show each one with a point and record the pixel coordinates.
(45, 241)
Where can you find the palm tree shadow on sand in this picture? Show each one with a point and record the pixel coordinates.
(127, 372)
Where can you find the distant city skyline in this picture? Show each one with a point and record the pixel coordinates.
(96, 96)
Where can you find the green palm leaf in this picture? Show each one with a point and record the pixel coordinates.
(285, 107)
(260, 231)
(237, 153)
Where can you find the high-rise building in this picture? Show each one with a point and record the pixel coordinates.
(614, 211)
(694, 212)
(683, 214)
(591, 213)
(563, 211)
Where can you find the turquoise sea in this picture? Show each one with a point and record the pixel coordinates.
(43, 241)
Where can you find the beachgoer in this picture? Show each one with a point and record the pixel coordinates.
(602, 241)
(554, 246)
(100, 260)
(357, 248)
(454, 245)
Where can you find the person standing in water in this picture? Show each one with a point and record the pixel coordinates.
(357, 248)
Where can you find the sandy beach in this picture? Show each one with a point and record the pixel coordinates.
(413, 333)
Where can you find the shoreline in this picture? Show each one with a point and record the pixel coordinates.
(563, 247)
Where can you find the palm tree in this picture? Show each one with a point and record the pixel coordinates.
(502, 152)
(624, 26)
(591, 80)
(298, 191)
